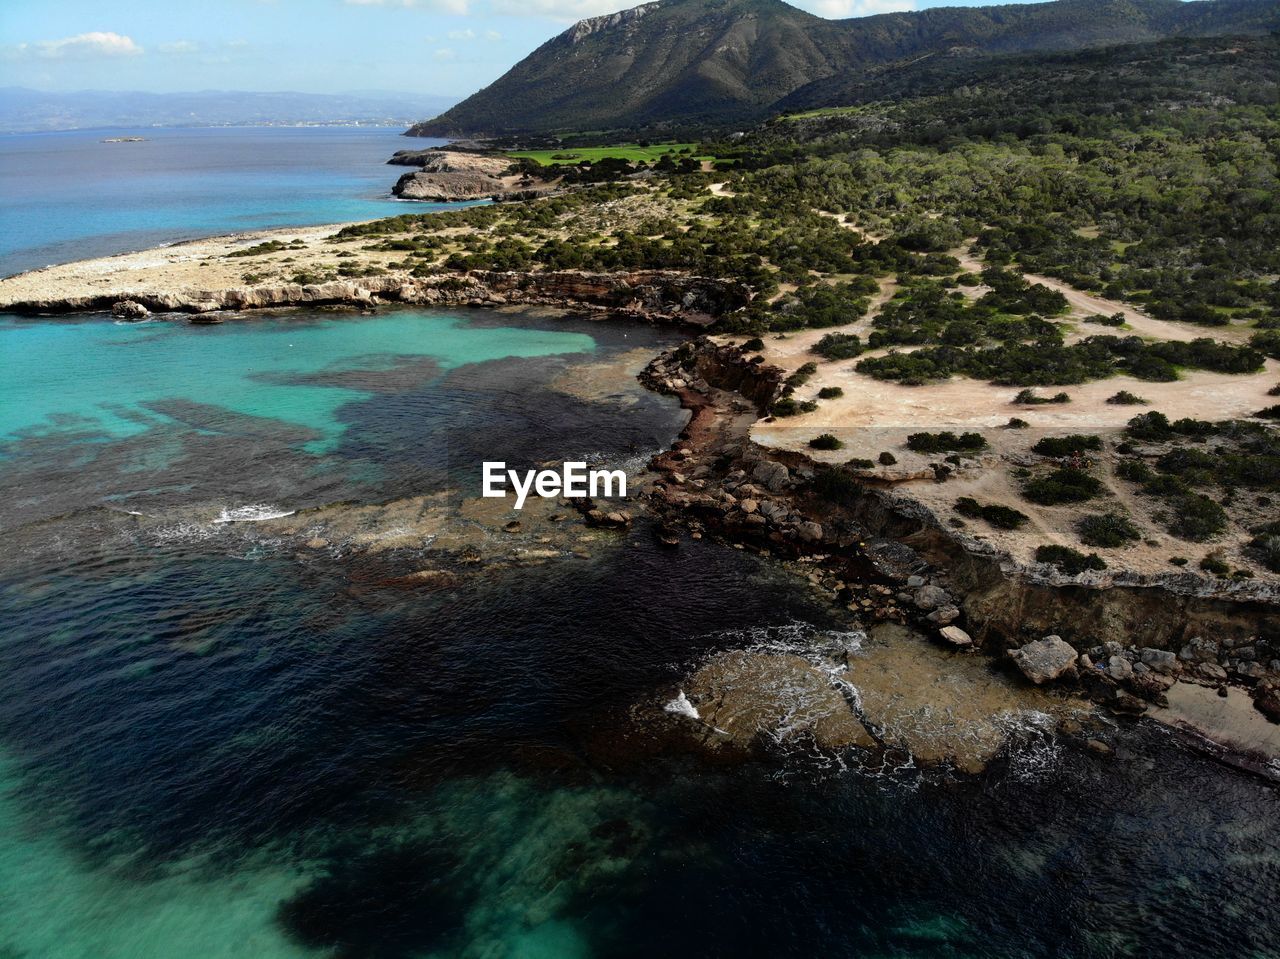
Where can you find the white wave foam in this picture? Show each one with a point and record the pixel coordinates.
(681, 706)
(253, 513)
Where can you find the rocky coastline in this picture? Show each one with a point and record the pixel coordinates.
(888, 558)
(652, 296)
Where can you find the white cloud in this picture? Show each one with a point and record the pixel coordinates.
(444, 53)
(840, 9)
(95, 44)
(440, 6)
(467, 34)
(178, 46)
(564, 10)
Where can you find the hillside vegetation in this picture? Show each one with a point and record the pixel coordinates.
(719, 62)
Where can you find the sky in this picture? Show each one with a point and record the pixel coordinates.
(447, 47)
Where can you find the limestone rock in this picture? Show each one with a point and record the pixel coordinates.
(1199, 650)
(955, 636)
(772, 476)
(752, 700)
(1160, 661)
(129, 310)
(1045, 659)
(931, 597)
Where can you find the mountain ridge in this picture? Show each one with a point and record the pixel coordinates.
(731, 61)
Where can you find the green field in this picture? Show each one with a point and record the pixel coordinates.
(622, 151)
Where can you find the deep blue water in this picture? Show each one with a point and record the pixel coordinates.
(69, 196)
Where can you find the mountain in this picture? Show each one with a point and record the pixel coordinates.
(731, 61)
(23, 110)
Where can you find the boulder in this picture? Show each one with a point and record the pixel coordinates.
(955, 636)
(772, 476)
(1199, 650)
(1160, 661)
(809, 532)
(129, 310)
(944, 615)
(931, 597)
(1119, 669)
(1046, 659)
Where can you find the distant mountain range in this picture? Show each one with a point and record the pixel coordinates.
(23, 110)
(682, 62)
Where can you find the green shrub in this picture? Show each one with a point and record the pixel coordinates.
(787, 406)
(1063, 485)
(1016, 423)
(858, 463)
(946, 441)
(1072, 445)
(1149, 426)
(1213, 564)
(753, 345)
(1125, 398)
(1266, 543)
(1136, 471)
(839, 346)
(887, 459)
(1107, 530)
(830, 393)
(825, 441)
(1032, 398)
(1270, 413)
(1070, 561)
(1195, 517)
(1001, 517)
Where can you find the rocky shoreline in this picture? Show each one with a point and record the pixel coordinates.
(652, 296)
(888, 558)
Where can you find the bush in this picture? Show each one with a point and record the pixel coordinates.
(887, 459)
(858, 463)
(786, 406)
(1135, 471)
(1016, 423)
(839, 346)
(1125, 398)
(1115, 319)
(1149, 426)
(1070, 561)
(1032, 398)
(1266, 543)
(830, 393)
(945, 442)
(802, 375)
(825, 441)
(1001, 517)
(1107, 530)
(753, 345)
(1213, 564)
(1195, 517)
(1063, 485)
(1071, 445)
(1270, 413)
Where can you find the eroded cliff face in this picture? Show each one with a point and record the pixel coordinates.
(1134, 636)
(656, 296)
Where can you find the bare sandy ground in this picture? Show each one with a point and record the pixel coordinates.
(191, 265)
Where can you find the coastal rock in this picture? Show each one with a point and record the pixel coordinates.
(931, 597)
(1160, 661)
(1119, 669)
(129, 310)
(944, 615)
(955, 636)
(772, 476)
(809, 532)
(1199, 650)
(751, 701)
(1045, 659)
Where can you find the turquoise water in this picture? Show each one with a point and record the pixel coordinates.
(106, 379)
(215, 743)
(69, 196)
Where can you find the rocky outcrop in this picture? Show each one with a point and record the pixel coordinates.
(748, 702)
(448, 176)
(129, 310)
(1126, 636)
(654, 296)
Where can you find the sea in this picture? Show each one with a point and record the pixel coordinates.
(232, 724)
